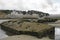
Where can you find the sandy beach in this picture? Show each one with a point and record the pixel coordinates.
(25, 37)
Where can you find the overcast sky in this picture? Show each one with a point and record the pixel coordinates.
(49, 6)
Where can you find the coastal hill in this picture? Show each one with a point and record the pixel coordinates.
(18, 14)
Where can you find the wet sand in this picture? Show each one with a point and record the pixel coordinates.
(25, 37)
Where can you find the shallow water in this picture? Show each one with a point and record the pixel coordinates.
(57, 33)
(2, 33)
